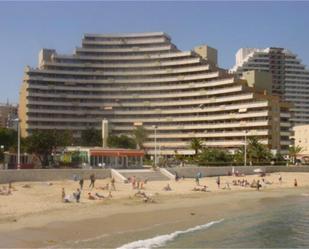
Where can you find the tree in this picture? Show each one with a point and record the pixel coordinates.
(8, 142)
(256, 153)
(91, 137)
(196, 145)
(64, 138)
(140, 135)
(121, 141)
(8, 138)
(294, 151)
(214, 156)
(43, 143)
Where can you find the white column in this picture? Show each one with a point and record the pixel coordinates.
(155, 141)
(18, 144)
(245, 154)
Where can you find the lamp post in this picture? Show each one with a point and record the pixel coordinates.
(155, 142)
(245, 154)
(2, 150)
(18, 143)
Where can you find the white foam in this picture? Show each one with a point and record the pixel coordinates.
(161, 240)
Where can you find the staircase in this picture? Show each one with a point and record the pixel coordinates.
(142, 174)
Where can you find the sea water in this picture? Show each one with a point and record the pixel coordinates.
(275, 223)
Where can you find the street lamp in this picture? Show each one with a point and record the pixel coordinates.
(155, 142)
(2, 149)
(245, 154)
(18, 142)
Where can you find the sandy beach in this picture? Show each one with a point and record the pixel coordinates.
(36, 217)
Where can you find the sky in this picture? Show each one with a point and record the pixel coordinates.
(26, 27)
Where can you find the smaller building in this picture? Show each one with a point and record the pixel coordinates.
(103, 157)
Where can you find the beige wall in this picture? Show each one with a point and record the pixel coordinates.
(259, 80)
(22, 109)
(208, 53)
(301, 137)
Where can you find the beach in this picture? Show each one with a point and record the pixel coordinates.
(36, 217)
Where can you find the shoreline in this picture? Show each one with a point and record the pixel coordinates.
(170, 214)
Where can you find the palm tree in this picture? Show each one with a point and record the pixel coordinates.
(196, 145)
(140, 135)
(294, 151)
(257, 152)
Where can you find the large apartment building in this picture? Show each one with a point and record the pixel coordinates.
(143, 79)
(290, 78)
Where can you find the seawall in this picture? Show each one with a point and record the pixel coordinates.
(222, 171)
(50, 174)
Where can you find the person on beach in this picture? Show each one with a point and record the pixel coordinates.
(280, 179)
(167, 188)
(81, 183)
(176, 177)
(62, 194)
(258, 185)
(133, 181)
(99, 196)
(92, 180)
(218, 181)
(91, 197)
(197, 180)
(227, 186)
(113, 184)
(77, 195)
(295, 183)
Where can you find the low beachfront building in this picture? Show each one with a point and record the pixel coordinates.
(103, 157)
(144, 79)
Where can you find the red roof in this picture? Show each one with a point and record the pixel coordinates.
(116, 152)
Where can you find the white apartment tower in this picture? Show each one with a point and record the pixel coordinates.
(143, 79)
(290, 78)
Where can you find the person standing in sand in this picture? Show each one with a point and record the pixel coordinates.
(218, 181)
(113, 184)
(62, 195)
(258, 185)
(81, 183)
(197, 180)
(77, 195)
(92, 180)
(280, 179)
(295, 183)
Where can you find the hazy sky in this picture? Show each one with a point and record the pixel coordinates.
(26, 27)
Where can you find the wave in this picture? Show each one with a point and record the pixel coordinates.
(161, 240)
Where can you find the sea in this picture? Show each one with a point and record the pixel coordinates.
(274, 223)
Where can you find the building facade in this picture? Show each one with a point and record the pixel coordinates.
(8, 113)
(143, 79)
(290, 78)
(301, 139)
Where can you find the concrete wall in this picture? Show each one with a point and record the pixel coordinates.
(216, 171)
(50, 174)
